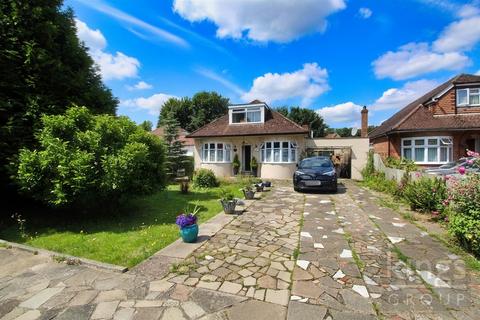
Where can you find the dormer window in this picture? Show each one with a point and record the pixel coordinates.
(468, 97)
(246, 115)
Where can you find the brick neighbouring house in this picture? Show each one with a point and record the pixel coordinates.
(436, 128)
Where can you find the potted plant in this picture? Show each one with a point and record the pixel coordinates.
(248, 192)
(254, 166)
(236, 164)
(228, 202)
(187, 222)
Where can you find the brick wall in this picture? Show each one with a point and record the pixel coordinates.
(447, 104)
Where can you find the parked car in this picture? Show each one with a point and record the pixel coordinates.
(452, 168)
(316, 173)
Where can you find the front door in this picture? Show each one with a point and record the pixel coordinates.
(247, 156)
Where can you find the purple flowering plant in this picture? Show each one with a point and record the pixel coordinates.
(187, 219)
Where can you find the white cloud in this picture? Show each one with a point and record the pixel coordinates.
(365, 13)
(93, 39)
(306, 83)
(396, 98)
(478, 73)
(152, 104)
(279, 20)
(414, 59)
(459, 36)
(112, 66)
(134, 21)
(141, 85)
(347, 112)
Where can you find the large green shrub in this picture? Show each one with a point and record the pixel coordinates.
(464, 197)
(84, 159)
(205, 178)
(426, 194)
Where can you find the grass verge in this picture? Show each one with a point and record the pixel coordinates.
(138, 230)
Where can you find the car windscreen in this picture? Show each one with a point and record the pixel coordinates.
(315, 163)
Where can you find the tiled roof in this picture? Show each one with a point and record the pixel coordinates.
(182, 135)
(417, 117)
(275, 123)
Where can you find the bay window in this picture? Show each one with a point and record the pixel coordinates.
(427, 150)
(216, 152)
(278, 152)
(468, 97)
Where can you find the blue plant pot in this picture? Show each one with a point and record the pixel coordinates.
(190, 233)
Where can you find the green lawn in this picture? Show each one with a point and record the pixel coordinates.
(144, 226)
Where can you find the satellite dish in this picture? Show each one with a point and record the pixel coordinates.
(354, 131)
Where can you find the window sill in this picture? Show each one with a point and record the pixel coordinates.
(215, 162)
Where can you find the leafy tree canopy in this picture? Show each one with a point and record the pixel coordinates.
(45, 69)
(304, 116)
(85, 159)
(196, 112)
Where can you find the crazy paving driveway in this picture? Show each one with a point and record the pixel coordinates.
(290, 255)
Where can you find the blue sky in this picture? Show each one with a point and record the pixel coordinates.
(332, 56)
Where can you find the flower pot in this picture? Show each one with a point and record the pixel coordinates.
(229, 206)
(249, 194)
(259, 187)
(254, 171)
(235, 170)
(267, 184)
(189, 233)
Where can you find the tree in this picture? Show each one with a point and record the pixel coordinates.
(175, 155)
(45, 69)
(206, 107)
(85, 159)
(146, 125)
(180, 109)
(304, 116)
(194, 113)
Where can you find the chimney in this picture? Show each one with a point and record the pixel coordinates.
(364, 130)
(307, 127)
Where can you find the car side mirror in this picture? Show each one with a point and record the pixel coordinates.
(296, 165)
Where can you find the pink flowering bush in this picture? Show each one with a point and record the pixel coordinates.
(463, 203)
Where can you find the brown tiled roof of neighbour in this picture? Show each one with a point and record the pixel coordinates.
(417, 117)
(182, 135)
(275, 123)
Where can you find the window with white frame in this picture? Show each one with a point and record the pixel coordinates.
(246, 115)
(278, 152)
(468, 97)
(216, 152)
(427, 150)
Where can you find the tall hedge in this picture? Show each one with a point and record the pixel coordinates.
(85, 159)
(45, 69)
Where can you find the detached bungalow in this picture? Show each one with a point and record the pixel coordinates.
(250, 130)
(437, 128)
